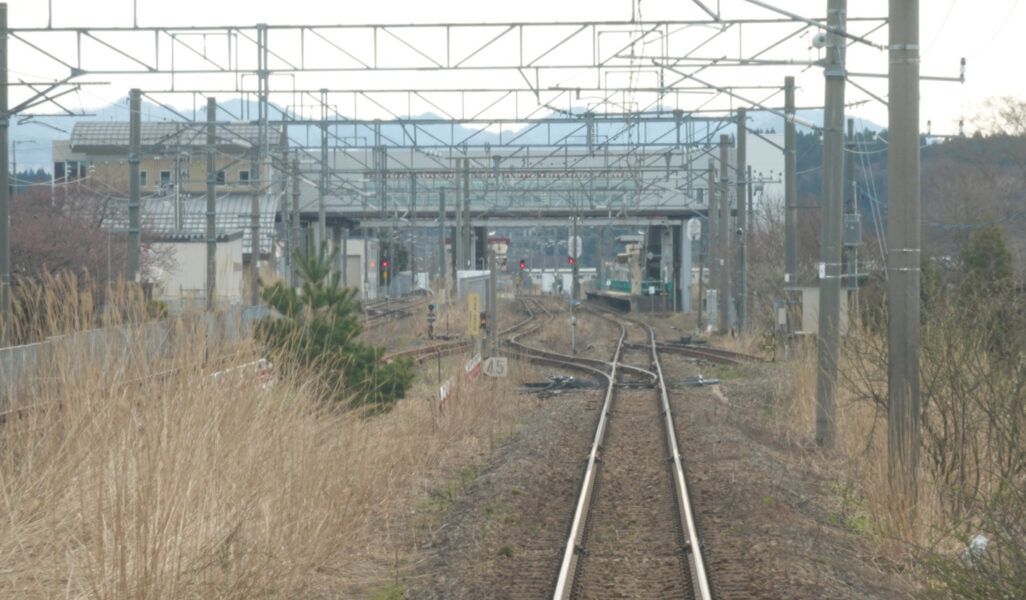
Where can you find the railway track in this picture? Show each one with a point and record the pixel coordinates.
(709, 354)
(633, 533)
(449, 348)
(398, 308)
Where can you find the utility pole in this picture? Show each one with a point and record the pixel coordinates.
(443, 265)
(723, 297)
(903, 243)
(413, 228)
(467, 226)
(742, 214)
(750, 221)
(790, 188)
(257, 163)
(322, 184)
(493, 305)
(575, 286)
(702, 253)
(211, 207)
(295, 234)
(345, 256)
(457, 238)
(575, 251)
(851, 209)
(5, 190)
(134, 152)
(285, 172)
(830, 233)
(790, 208)
(712, 243)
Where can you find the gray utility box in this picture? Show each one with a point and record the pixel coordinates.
(852, 230)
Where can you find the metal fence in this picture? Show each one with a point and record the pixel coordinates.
(24, 368)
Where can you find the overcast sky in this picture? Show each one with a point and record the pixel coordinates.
(988, 33)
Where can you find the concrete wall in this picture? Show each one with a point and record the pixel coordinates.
(185, 280)
(354, 249)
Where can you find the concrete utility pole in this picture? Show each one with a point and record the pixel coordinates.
(256, 175)
(413, 228)
(285, 172)
(723, 296)
(5, 197)
(134, 152)
(575, 285)
(790, 188)
(211, 207)
(903, 243)
(443, 265)
(345, 256)
(336, 244)
(493, 305)
(322, 183)
(830, 232)
(712, 240)
(742, 214)
(850, 249)
(468, 229)
(749, 220)
(295, 234)
(457, 238)
(702, 253)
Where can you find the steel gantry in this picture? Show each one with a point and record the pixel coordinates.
(513, 118)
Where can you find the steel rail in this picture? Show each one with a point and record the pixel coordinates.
(715, 355)
(448, 348)
(593, 364)
(703, 590)
(568, 565)
(540, 355)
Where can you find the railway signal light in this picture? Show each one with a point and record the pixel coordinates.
(570, 260)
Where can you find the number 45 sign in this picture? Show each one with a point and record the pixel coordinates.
(496, 367)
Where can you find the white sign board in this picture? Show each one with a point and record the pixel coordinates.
(573, 246)
(694, 229)
(496, 366)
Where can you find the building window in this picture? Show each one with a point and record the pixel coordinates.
(243, 176)
(165, 177)
(219, 178)
(142, 179)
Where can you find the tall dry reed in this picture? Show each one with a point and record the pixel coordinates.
(128, 471)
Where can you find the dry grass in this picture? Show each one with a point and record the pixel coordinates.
(121, 484)
(857, 464)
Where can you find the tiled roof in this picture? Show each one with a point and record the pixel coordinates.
(232, 215)
(166, 134)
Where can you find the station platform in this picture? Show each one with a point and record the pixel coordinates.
(624, 302)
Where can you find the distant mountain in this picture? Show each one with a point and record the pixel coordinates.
(33, 135)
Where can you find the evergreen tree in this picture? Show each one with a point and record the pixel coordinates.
(315, 331)
(987, 294)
